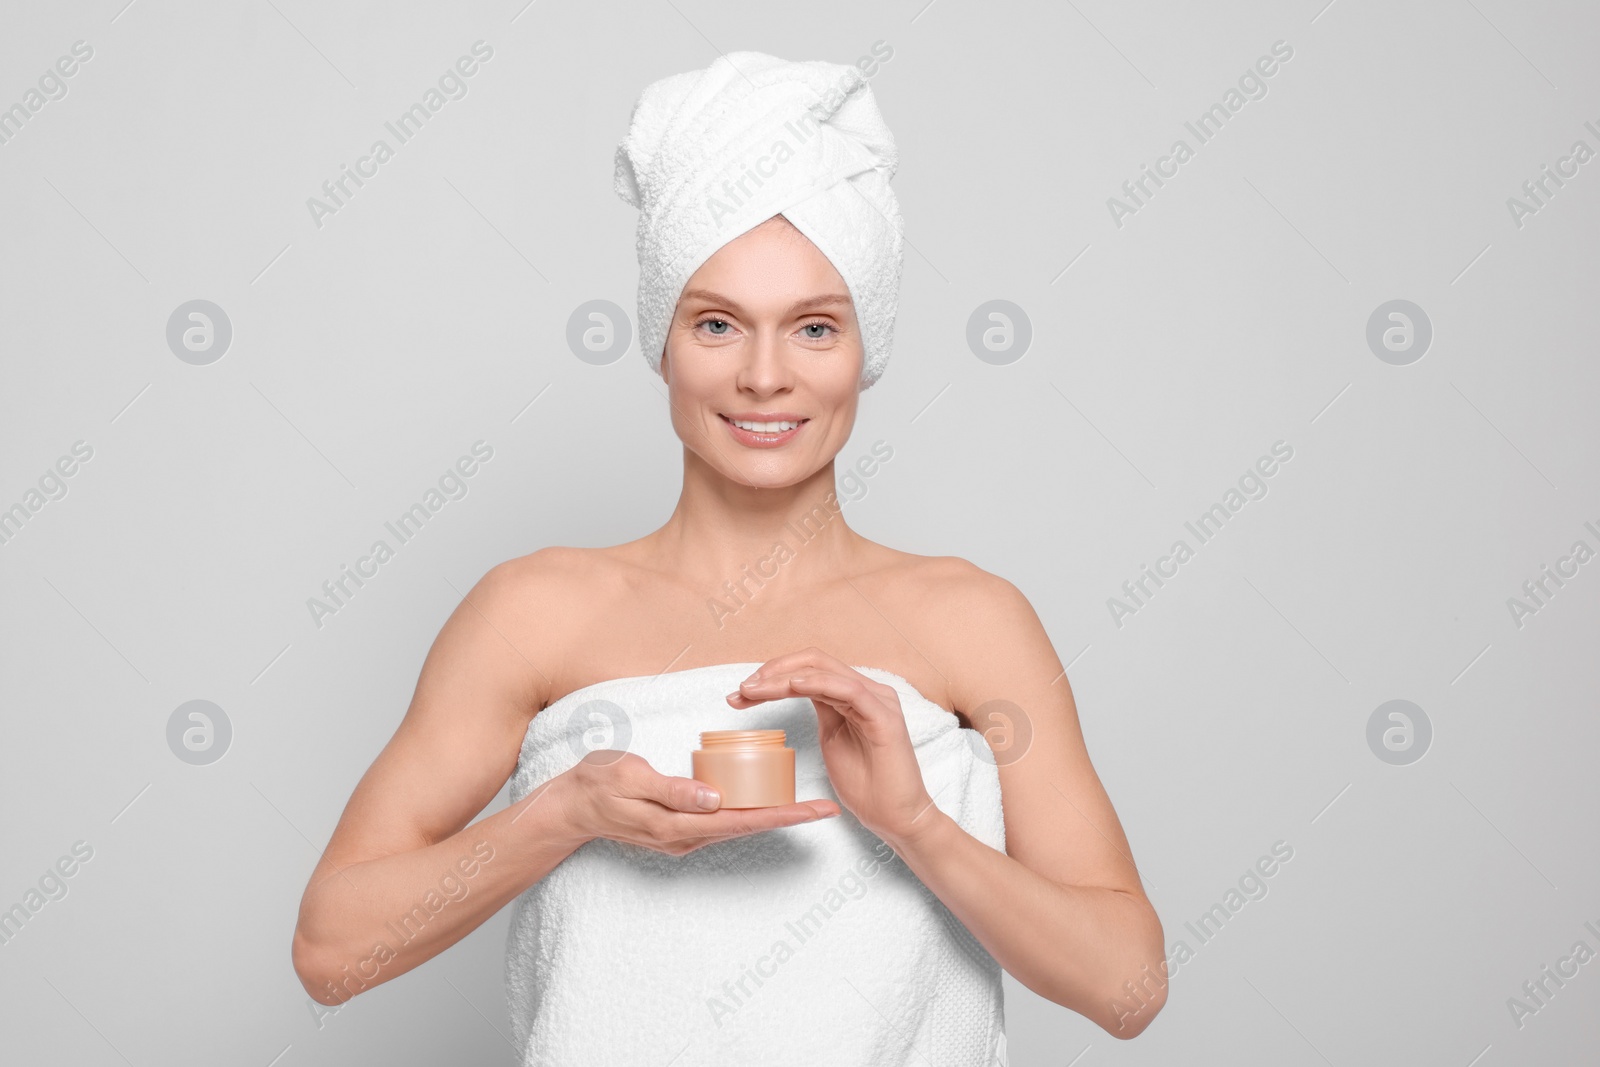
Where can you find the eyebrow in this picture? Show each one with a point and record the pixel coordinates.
(799, 306)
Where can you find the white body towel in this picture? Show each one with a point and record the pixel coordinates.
(806, 945)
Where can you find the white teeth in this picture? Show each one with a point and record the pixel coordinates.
(764, 427)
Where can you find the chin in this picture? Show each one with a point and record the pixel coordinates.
(773, 476)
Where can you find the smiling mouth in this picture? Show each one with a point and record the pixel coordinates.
(765, 429)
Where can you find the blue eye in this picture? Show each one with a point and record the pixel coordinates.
(705, 322)
(817, 325)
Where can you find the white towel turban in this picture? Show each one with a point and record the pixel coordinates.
(712, 153)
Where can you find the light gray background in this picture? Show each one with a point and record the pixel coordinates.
(1168, 354)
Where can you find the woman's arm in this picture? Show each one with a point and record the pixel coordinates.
(1062, 909)
(404, 877)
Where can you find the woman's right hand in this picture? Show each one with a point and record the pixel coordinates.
(619, 796)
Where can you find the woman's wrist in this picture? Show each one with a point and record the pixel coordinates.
(550, 814)
(924, 831)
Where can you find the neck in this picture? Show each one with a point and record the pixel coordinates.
(728, 531)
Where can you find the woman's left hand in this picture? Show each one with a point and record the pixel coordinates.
(861, 730)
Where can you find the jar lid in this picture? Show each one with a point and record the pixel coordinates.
(742, 739)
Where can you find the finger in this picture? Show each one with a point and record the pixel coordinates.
(811, 657)
(736, 822)
(682, 794)
(698, 830)
(848, 695)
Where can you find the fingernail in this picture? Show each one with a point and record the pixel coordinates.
(706, 798)
(750, 679)
(732, 694)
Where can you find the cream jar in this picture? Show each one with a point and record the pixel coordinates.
(749, 768)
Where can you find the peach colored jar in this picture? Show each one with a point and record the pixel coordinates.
(750, 768)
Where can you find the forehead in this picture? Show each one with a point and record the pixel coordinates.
(829, 301)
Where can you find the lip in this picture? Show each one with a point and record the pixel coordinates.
(763, 440)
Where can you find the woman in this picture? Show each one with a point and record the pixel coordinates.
(647, 916)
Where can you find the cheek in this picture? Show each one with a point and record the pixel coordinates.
(845, 397)
(689, 387)
(693, 417)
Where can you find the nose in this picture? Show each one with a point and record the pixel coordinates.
(766, 368)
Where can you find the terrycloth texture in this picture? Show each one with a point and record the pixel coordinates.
(807, 945)
(711, 153)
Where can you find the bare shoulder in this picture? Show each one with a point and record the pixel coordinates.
(992, 610)
(983, 626)
(955, 575)
(545, 570)
(531, 584)
(561, 585)
(528, 604)
(953, 585)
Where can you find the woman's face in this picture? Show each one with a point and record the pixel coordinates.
(764, 332)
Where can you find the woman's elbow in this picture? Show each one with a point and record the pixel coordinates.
(1141, 992)
(311, 966)
(1131, 1011)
